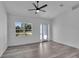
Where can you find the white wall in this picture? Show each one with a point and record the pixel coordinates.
(13, 40)
(3, 29)
(66, 28)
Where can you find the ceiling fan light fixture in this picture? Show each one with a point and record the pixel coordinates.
(37, 11)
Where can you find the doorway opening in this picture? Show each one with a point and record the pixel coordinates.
(44, 31)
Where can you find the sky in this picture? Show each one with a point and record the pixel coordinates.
(18, 24)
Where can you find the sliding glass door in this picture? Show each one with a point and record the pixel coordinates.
(43, 32)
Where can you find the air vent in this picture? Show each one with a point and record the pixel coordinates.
(61, 5)
(75, 7)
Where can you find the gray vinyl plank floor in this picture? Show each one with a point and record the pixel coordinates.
(42, 50)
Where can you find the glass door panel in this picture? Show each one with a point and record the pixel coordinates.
(43, 32)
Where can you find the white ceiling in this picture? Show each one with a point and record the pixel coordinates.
(53, 9)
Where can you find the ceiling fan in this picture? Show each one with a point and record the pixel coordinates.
(37, 8)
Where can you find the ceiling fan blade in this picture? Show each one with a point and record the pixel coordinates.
(31, 9)
(43, 10)
(34, 5)
(43, 6)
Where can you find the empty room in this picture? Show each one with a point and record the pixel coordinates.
(39, 29)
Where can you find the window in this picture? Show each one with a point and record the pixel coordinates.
(23, 29)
